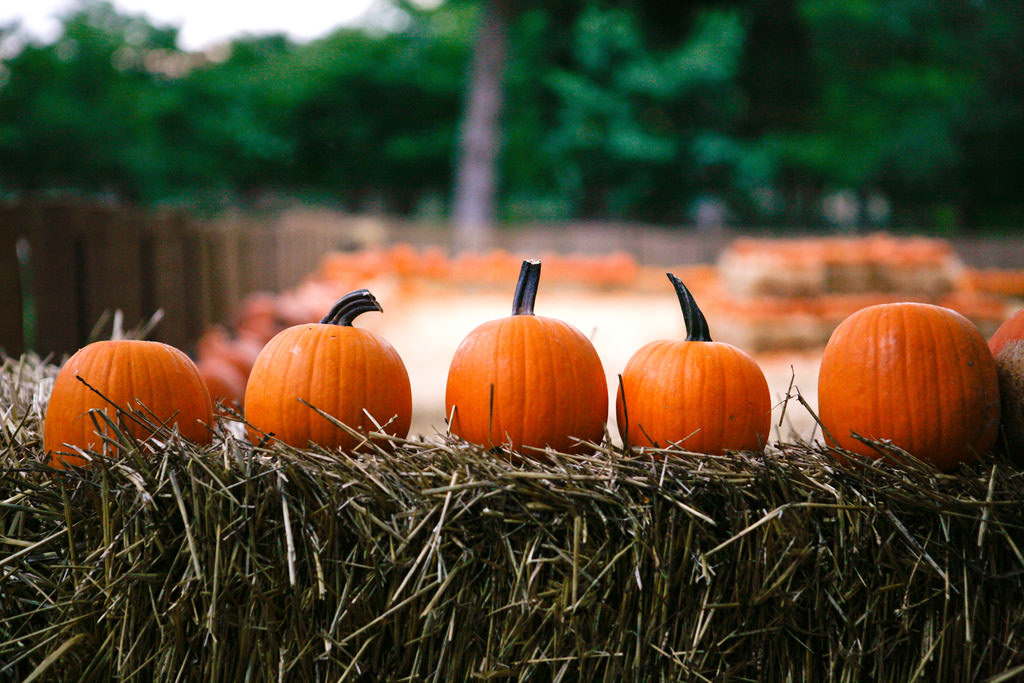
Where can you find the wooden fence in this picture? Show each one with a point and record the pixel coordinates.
(80, 261)
(64, 265)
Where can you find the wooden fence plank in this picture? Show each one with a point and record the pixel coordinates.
(111, 275)
(60, 325)
(221, 268)
(12, 341)
(163, 245)
(258, 258)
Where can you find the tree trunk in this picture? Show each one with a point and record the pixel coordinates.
(474, 212)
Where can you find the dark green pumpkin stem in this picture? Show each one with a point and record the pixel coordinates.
(349, 306)
(526, 288)
(696, 324)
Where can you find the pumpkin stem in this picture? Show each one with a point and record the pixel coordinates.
(526, 288)
(349, 306)
(696, 324)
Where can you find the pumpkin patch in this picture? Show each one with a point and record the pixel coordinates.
(776, 299)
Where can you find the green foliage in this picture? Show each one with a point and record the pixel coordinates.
(113, 106)
(67, 109)
(629, 118)
(378, 114)
(612, 111)
(894, 76)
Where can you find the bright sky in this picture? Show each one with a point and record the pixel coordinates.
(205, 22)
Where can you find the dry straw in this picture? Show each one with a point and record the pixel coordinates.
(437, 561)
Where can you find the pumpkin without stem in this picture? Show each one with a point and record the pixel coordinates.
(917, 374)
(527, 381)
(351, 374)
(136, 384)
(703, 395)
(1007, 345)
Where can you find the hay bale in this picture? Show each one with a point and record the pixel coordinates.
(875, 263)
(437, 561)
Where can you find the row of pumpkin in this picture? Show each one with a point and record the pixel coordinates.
(917, 375)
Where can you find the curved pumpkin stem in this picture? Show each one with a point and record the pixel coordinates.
(526, 288)
(696, 324)
(349, 306)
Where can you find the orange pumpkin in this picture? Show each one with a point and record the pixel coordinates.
(703, 395)
(351, 374)
(224, 380)
(134, 383)
(527, 381)
(1007, 345)
(919, 375)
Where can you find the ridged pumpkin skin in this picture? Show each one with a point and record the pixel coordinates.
(1007, 345)
(148, 377)
(705, 396)
(343, 371)
(549, 387)
(919, 375)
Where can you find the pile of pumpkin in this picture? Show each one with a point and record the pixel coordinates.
(904, 377)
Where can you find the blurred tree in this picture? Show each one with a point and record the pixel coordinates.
(990, 171)
(623, 106)
(69, 110)
(476, 170)
(230, 124)
(635, 110)
(895, 86)
(374, 116)
(638, 120)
